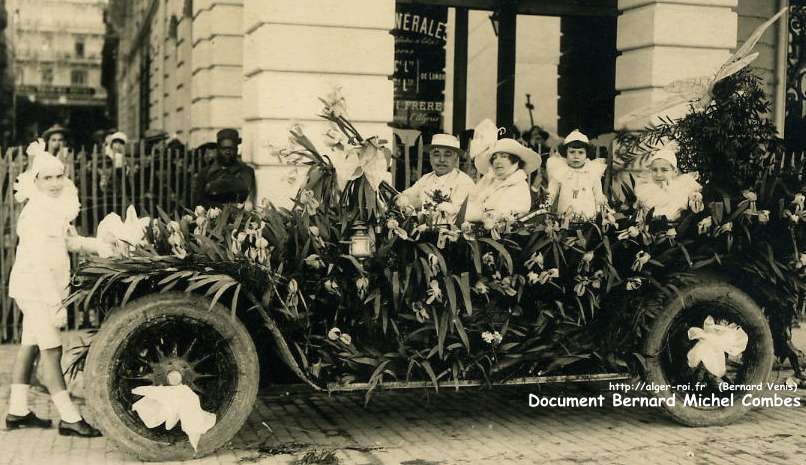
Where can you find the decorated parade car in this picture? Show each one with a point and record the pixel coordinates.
(352, 292)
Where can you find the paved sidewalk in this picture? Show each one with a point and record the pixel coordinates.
(466, 427)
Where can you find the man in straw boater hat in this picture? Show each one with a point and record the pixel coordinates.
(444, 152)
(55, 138)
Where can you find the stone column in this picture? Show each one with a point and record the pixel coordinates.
(296, 51)
(216, 61)
(664, 40)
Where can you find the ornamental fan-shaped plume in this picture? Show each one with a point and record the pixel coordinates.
(698, 91)
(485, 134)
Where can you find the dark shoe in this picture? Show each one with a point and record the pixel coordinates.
(80, 428)
(27, 421)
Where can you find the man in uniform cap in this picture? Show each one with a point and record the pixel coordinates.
(444, 152)
(55, 138)
(228, 179)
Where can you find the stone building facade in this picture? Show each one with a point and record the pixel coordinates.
(192, 67)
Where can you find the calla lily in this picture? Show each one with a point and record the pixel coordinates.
(633, 283)
(713, 342)
(493, 337)
(641, 259)
(333, 334)
(704, 225)
(535, 260)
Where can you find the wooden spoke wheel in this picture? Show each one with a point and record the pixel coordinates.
(167, 340)
(667, 345)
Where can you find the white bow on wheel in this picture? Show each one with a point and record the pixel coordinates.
(713, 342)
(172, 404)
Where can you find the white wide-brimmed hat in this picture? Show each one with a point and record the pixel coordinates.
(445, 140)
(511, 146)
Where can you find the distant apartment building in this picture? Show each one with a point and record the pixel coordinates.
(56, 49)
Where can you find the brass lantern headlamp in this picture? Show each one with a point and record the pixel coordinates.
(361, 244)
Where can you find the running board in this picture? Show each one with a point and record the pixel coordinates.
(395, 385)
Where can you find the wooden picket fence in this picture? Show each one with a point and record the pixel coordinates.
(148, 180)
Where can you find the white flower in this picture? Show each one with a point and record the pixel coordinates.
(548, 275)
(535, 259)
(492, 337)
(434, 292)
(727, 227)
(334, 334)
(533, 277)
(588, 257)
(261, 243)
(480, 288)
(362, 284)
(630, 232)
(799, 201)
(314, 230)
(695, 202)
(345, 339)
(332, 287)
(314, 261)
(641, 259)
(633, 283)
(213, 213)
(488, 259)
(764, 216)
(704, 225)
(420, 312)
(433, 262)
(671, 233)
(200, 211)
(173, 226)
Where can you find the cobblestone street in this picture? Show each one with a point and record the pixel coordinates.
(465, 427)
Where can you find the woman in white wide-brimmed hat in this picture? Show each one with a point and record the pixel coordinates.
(503, 189)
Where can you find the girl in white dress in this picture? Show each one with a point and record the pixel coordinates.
(39, 282)
(669, 193)
(575, 182)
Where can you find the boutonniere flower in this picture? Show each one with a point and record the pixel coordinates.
(641, 259)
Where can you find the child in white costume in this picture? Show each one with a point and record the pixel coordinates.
(669, 193)
(39, 282)
(575, 182)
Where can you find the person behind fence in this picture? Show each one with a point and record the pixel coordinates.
(446, 186)
(575, 181)
(669, 193)
(39, 283)
(503, 189)
(55, 138)
(115, 150)
(228, 179)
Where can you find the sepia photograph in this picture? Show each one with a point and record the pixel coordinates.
(402, 232)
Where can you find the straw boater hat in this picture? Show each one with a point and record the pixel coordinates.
(511, 146)
(446, 141)
(55, 129)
